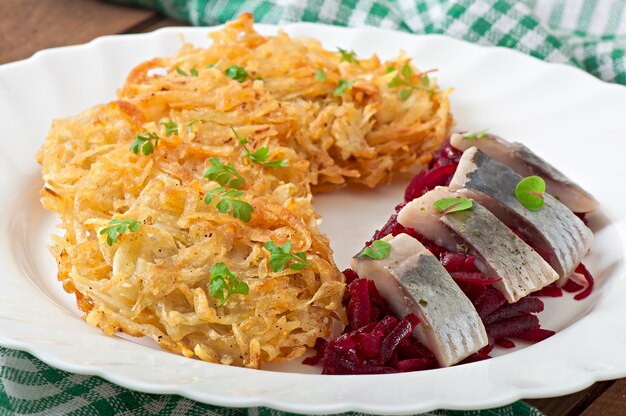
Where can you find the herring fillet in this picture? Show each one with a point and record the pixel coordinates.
(412, 280)
(554, 228)
(499, 251)
(526, 163)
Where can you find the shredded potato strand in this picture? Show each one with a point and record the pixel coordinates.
(155, 282)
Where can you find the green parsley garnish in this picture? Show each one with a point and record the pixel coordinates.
(404, 79)
(348, 56)
(193, 71)
(192, 122)
(475, 135)
(280, 256)
(224, 284)
(228, 201)
(143, 143)
(529, 192)
(344, 85)
(224, 174)
(378, 250)
(238, 73)
(170, 127)
(117, 227)
(260, 155)
(320, 75)
(422, 302)
(390, 69)
(449, 205)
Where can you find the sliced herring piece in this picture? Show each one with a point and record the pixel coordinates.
(412, 280)
(553, 229)
(526, 163)
(477, 231)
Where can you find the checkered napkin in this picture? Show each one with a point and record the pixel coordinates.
(590, 34)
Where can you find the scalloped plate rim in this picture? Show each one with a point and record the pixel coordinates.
(510, 394)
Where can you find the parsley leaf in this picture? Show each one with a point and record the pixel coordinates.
(117, 227)
(193, 71)
(224, 284)
(404, 79)
(344, 85)
(320, 75)
(348, 56)
(405, 94)
(280, 256)
(378, 250)
(260, 155)
(449, 205)
(475, 135)
(390, 69)
(192, 122)
(143, 143)
(238, 73)
(529, 192)
(228, 202)
(170, 127)
(224, 174)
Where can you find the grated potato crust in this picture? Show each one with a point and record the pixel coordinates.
(156, 282)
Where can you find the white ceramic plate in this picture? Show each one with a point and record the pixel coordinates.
(570, 118)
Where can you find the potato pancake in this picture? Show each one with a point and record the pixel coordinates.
(205, 158)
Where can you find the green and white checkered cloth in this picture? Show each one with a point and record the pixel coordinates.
(590, 34)
(30, 387)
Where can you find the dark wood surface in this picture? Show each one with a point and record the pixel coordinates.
(27, 26)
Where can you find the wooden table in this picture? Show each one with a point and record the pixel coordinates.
(27, 26)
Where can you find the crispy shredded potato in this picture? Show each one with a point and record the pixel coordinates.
(155, 282)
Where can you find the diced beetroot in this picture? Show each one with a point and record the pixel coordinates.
(387, 324)
(536, 335)
(320, 350)
(446, 155)
(505, 343)
(369, 343)
(474, 278)
(342, 344)
(412, 348)
(403, 330)
(350, 275)
(549, 291)
(427, 180)
(359, 306)
(489, 302)
(512, 327)
(378, 303)
(572, 286)
(479, 356)
(525, 305)
(473, 292)
(590, 282)
(415, 364)
(487, 348)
